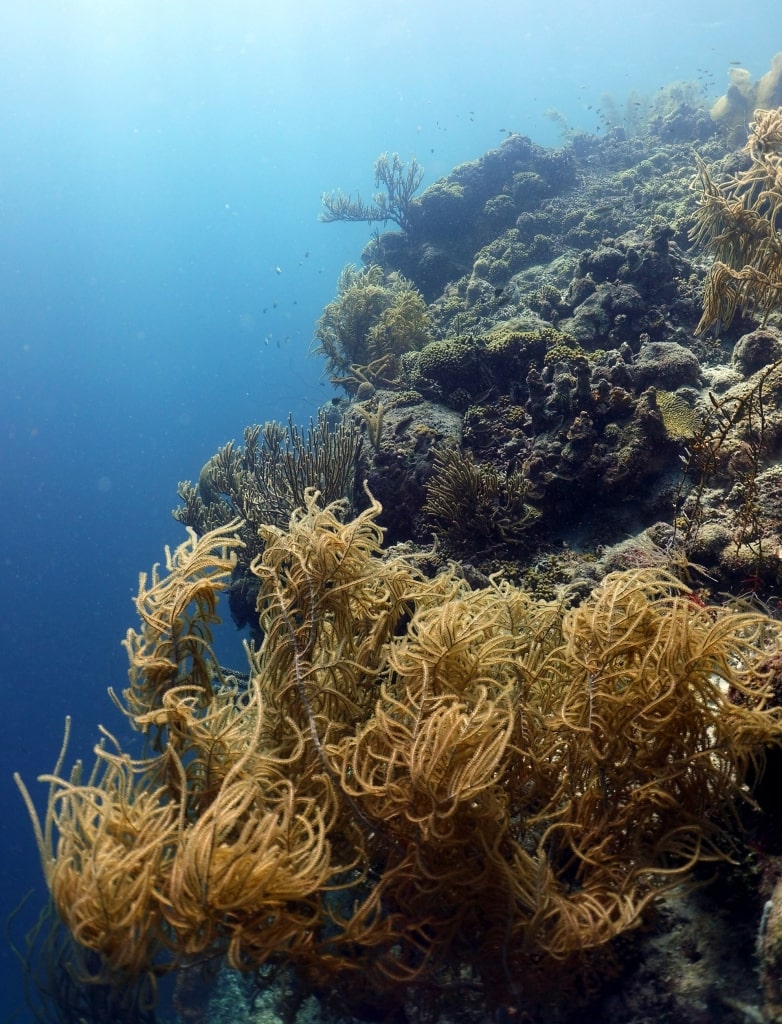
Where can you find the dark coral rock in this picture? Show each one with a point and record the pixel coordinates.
(660, 234)
(578, 290)
(601, 264)
(527, 189)
(542, 248)
(429, 264)
(622, 299)
(591, 320)
(757, 349)
(510, 352)
(644, 448)
(685, 124)
(527, 226)
(496, 429)
(665, 364)
(594, 318)
(546, 301)
(399, 469)
(556, 166)
(650, 264)
(436, 214)
(433, 269)
(500, 211)
(616, 370)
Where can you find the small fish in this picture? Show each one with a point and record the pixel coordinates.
(481, 398)
(278, 270)
(735, 63)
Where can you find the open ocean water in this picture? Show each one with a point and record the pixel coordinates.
(162, 267)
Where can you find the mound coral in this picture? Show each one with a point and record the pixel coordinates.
(418, 783)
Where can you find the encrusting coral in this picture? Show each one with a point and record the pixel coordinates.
(418, 784)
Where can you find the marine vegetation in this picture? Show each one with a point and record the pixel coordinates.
(740, 222)
(680, 420)
(418, 786)
(372, 322)
(400, 182)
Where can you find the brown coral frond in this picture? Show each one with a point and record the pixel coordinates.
(177, 612)
(106, 877)
(262, 483)
(739, 221)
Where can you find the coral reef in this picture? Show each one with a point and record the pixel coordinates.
(564, 342)
(459, 771)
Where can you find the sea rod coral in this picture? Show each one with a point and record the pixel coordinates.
(418, 784)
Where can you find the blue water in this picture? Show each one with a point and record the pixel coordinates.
(162, 265)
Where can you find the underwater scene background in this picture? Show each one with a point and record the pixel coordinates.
(163, 269)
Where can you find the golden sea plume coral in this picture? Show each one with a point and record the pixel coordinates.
(419, 782)
(115, 837)
(176, 613)
(739, 222)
